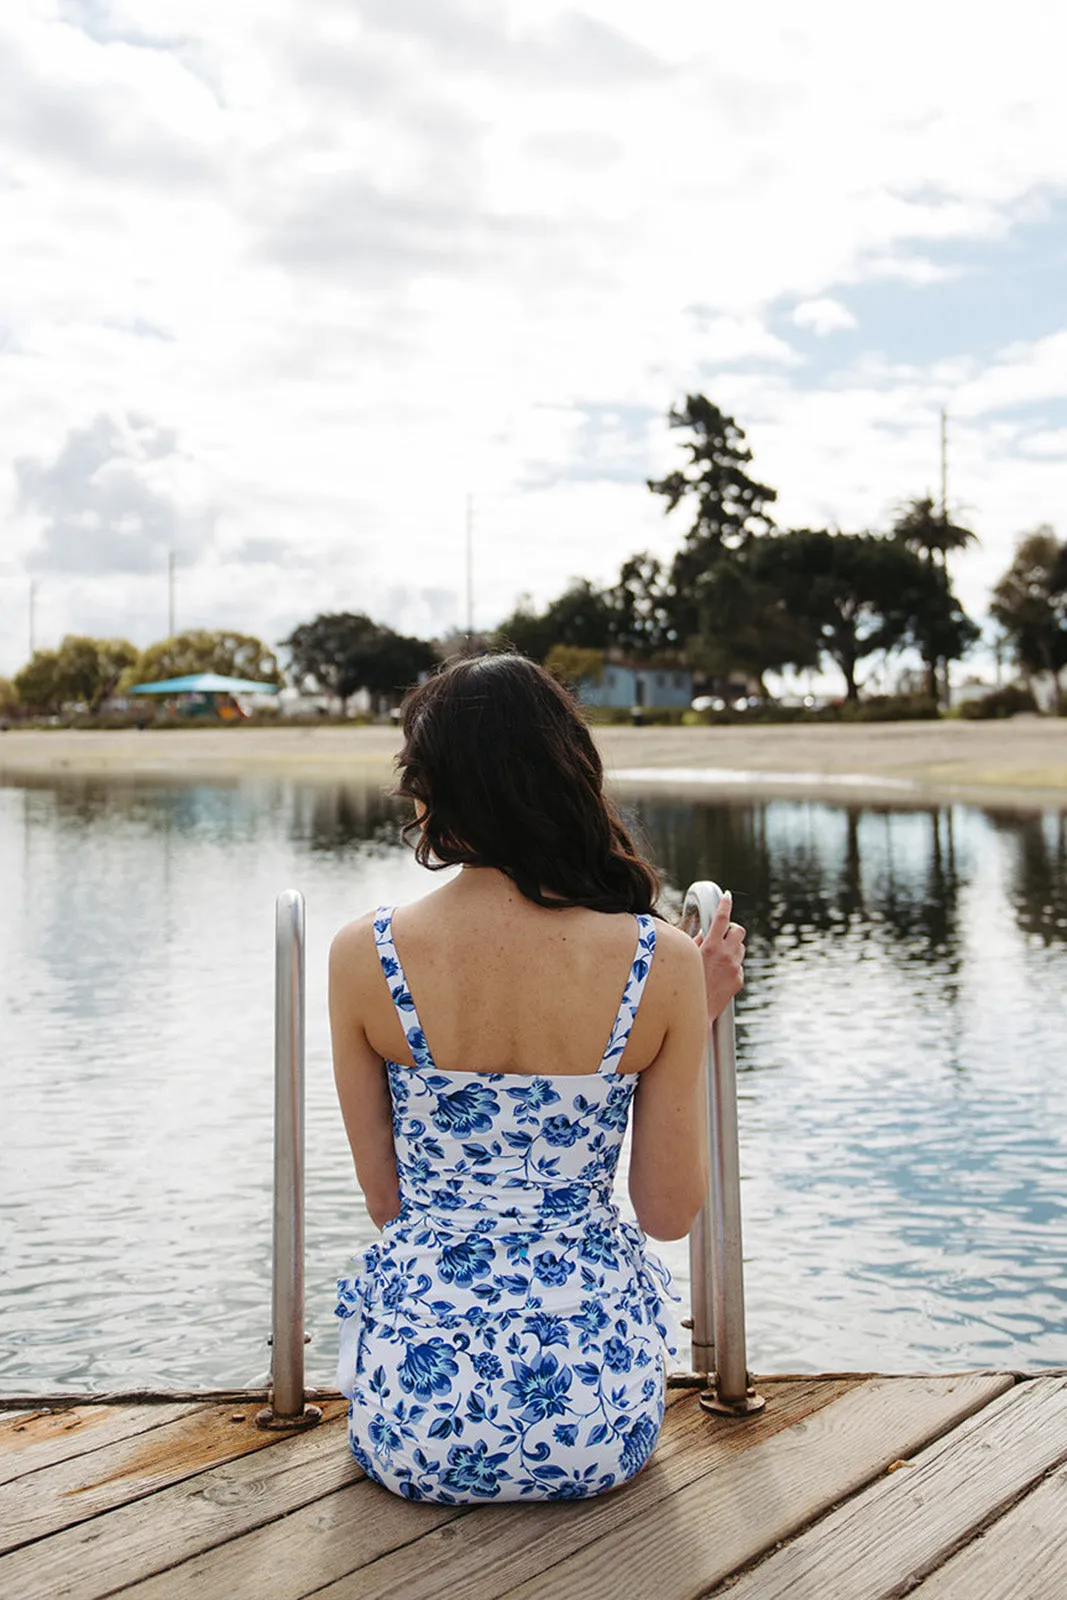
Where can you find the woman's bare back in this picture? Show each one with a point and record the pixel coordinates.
(524, 989)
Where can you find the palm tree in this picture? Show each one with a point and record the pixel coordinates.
(929, 532)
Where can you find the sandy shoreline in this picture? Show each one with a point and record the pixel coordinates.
(1018, 762)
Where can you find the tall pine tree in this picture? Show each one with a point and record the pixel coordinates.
(729, 505)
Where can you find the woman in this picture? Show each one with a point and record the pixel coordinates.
(506, 1339)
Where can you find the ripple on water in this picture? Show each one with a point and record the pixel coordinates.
(903, 1093)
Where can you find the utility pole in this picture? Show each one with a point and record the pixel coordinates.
(33, 606)
(470, 574)
(944, 524)
(944, 465)
(170, 594)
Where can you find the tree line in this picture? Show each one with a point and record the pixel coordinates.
(741, 598)
(337, 654)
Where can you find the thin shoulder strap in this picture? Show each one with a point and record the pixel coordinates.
(631, 995)
(398, 988)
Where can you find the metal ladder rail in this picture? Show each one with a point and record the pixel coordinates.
(715, 1249)
(288, 1407)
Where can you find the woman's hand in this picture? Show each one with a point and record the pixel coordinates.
(723, 953)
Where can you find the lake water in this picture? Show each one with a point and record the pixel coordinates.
(902, 1047)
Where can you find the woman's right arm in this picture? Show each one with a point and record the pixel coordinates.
(669, 1151)
(359, 1071)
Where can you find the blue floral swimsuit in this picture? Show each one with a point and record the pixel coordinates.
(506, 1338)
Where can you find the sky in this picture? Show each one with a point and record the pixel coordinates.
(282, 285)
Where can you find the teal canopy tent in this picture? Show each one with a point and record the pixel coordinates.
(204, 683)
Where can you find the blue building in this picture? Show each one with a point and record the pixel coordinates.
(624, 684)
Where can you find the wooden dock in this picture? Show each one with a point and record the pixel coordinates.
(845, 1488)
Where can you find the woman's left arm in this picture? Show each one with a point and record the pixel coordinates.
(360, 1074)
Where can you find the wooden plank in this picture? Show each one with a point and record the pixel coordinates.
(40, 1438)
(750, 1502)
(333, 1534)
(883, 1542)
(495, 1547)
(81, 1487)
(148, 1535)
(64, 1399)
(289, 1557)
(1023, 1556)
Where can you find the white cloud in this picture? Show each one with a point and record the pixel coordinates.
(823, 316)
(106, 503)
(913, 269)
(1024, 373)
(1051, 442)
(727, 339)
(359, 258)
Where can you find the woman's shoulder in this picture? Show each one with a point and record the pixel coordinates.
(354, 943)
(673, 944)
(676, 960)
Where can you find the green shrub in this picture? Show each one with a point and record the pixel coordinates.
(877, 708)
(886, 708)
(730, 717)
(998, 703)
(651, 716)
(662, 716)
(606, 716)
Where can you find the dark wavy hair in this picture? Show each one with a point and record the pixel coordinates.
(497, 754)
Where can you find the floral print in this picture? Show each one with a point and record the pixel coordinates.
(505, 1339)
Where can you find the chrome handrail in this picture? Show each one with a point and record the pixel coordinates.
(287, 1408)
(715, 1248)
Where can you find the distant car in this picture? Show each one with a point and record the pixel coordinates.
(708, 702)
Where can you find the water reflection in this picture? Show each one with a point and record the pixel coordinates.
(323, 816)
(347, 819)
(904, 1106)
(800, 868)
(1039, 889)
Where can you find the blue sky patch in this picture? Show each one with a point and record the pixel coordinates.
(1003, 291)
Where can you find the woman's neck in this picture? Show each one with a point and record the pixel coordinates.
(491, 883)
